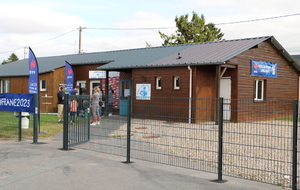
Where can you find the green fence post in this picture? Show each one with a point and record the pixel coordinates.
(128, 129)
(65, 123)
(20, 126)
(295, 135)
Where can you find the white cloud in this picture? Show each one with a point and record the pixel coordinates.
(25, 25)
(22, 18)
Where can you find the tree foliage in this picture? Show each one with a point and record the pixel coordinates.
(10, 59)
(194, 31)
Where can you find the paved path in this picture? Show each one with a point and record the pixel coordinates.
(26, 166)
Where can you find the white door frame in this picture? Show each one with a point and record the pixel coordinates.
(91, 85)
(80, 81)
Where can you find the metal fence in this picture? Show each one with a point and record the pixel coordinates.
(241, 138)
(20, 126)
(15, 125)
(76, 119)
(245, 139)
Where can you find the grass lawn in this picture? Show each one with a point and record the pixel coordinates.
(10, 123)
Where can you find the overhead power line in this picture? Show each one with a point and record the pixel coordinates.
(260, 19)
(40, 42)
(54, 37)
(155, 28)
(161, 28)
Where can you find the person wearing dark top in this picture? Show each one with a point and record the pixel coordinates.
(75, 91)
(60, 103)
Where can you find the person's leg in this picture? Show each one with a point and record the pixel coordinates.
(94, 112)
(60, 108)
(98, 114)
(72, 114)
(100, 111)
(110, 109)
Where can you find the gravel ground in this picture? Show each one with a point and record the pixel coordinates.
(259, 151)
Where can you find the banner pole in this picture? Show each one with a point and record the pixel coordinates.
(35, 119)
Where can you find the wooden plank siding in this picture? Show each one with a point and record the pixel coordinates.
(53, 79)
(204, 104)
(205, 92)
(162, 105)
(284, 87)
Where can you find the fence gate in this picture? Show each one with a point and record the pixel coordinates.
(76, 120)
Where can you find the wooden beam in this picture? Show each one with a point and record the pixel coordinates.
(218, 80)
(229, 66)
(222, 73)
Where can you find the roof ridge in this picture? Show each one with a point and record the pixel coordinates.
(155, 47)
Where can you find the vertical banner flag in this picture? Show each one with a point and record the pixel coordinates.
(33, 86)
(69, 77)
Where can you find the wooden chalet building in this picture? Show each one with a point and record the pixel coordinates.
(252, 68)
(14, 77)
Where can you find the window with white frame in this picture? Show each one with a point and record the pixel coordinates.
(158, 83)
(4, 86)
(176, 82)
(259, 90)
(43, 85)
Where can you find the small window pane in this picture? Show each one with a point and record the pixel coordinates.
(259, 90)
(43, 84)
(158, 82)
(176, 82)
(5, 86)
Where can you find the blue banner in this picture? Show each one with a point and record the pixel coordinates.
(69, 77)
(263, 69)
(33, 85)
(17, 102)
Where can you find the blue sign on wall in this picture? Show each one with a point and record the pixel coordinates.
(16, 102)
(263, 69)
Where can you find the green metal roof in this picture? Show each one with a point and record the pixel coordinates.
(164, 56)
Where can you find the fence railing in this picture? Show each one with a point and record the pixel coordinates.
(248, 139)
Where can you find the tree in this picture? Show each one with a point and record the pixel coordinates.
(11, 58)
(194, 31)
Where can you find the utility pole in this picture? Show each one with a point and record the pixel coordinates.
(80, 30)
(25, 52)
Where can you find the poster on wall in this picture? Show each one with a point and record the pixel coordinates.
(143, 91)
(263, 69)
(97, 75)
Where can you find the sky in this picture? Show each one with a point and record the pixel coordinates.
(51, 27)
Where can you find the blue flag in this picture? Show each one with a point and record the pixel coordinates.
(69, 77)
(33, 85)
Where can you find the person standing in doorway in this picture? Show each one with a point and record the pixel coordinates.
(95, 98)
(110, 101)
(60, 103)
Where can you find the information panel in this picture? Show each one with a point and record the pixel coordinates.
(263, 69)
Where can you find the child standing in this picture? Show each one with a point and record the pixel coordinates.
(73, 109)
